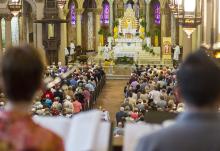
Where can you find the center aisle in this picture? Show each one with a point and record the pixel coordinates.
(112, 96)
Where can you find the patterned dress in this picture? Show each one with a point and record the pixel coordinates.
(19, 133)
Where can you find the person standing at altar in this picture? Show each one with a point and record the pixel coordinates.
(110, 39)
(67, 53)
(106, 53)
(72, 48)
(176, 55)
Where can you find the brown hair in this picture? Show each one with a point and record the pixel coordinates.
(21, 71)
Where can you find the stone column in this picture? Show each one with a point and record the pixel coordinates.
(173, 29)
(199, 35)
(97, 25)
(8, 36)
(63, 39)
(79, 27)
(194, 40)
(147, 15)
(0, 36)
(38, 38)
(187, 45)
(111, 17)
(180, 35)
(163, 12)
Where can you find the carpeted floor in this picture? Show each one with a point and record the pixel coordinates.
(112, 96)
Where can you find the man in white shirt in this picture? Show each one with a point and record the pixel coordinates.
(155, 95)
(176, 55)
(72, 48)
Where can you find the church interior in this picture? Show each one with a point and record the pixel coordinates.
(113, 71)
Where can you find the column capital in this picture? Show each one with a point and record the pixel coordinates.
(79, 11)
(147, 2)
(8, 17)
(98, 11)
(111, 2)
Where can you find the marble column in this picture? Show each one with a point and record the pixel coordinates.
(194, 40)
(0, 36)
(98, 26)
(63, 39)
(187, 45)
(111, 20)
(79, 27)
(180, 35)
(8, 36)
(164, 12)
(199, 35)
(173, 29)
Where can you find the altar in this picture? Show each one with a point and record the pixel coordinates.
(128, 44)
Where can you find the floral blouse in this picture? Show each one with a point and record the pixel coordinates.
(19, 133)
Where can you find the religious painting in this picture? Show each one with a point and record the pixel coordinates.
(166, 47)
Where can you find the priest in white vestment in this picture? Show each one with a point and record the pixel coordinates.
(72, 48)
(106, 53)
(176, 54)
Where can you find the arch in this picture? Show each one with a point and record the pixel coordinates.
(33, 6)
(72, 1)
(89, 4)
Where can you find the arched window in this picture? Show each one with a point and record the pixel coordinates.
(157, 13)
(105, 12)
(15, 31)
(3, 32)
(73, 14)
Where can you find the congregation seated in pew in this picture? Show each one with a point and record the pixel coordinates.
(150, 91)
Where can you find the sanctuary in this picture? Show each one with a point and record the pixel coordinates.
(129, 41)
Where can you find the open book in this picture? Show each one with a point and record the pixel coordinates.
(133, 132)
(84, 132)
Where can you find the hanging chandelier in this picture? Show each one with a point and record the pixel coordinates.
(61, 3)
(15, 6)
(188, 14)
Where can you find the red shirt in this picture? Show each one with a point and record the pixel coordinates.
(48, 94)
(134, 115)
(77, 106)
(19, 133)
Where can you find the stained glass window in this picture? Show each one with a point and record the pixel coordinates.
(105, 13)
(157, 13)
(73, 14)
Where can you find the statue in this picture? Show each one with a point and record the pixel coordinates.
(72, 48)
(106, 52)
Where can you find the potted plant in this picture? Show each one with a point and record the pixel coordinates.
(143, 23)
(116, 23)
